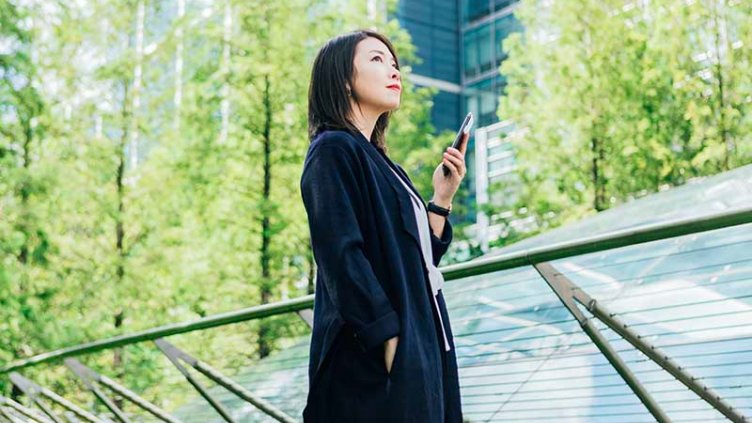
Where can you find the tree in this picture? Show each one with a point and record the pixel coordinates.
(613, 92)
(176, 133)
(24, 239)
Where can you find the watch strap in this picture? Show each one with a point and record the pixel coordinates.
(432, 207)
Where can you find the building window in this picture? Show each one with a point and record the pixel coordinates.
(471, 105)
(502, 28)
(478, 50)
(473, 10)
(500, 85)
(482, 101)
(501, 4)
(471, 67)
(485, 48)
(483, 55)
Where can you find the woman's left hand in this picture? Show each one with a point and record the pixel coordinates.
(445, 187)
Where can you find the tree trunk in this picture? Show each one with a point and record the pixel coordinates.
(266, 283)
(265, 336)
(723, 130)
(137, 72)
(225, 71)
(599, 186)
(178, 99)
(23, 255)
(119, 315)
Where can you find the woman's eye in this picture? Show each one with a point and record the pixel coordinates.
(379, 57)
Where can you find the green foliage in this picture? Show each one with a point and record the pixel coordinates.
(138, 207)
(618, 98)
(25, 249)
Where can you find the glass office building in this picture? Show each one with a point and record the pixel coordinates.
(460, 43)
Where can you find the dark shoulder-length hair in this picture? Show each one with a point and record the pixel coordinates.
(328, 102)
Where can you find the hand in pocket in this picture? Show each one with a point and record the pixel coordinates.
(390, 348)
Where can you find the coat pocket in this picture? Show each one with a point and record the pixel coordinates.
(332, 339)
(395, 361)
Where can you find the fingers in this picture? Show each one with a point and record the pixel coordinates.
(452, 167)
(390, 350)
(455, 152)
(457, 163)
(463, 144)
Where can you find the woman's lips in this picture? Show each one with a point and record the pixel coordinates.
(398, 89)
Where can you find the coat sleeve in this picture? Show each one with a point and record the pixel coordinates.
(439, 246)
(333, 201)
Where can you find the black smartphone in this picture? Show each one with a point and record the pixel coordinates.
(464, 129)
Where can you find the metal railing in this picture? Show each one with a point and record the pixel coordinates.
(539, 258)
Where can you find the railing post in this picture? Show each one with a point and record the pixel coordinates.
(29, 413)
(208, 371)
(94, 377)
(27, 385)
(88, 374)
(32, 391)
(175, 360)
(7, 416)
(663, 360)
(563, 289)
(563, 286)
(307, 316)
(78, 369)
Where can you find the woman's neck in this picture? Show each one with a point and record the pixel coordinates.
(365, 120)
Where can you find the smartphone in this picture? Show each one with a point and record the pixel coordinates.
(464, 129)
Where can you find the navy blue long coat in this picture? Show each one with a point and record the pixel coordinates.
(371, 286)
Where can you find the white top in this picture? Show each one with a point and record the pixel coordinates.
(434, 275)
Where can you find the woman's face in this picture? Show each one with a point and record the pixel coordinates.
(376, 70)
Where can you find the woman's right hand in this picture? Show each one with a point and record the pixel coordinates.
(390, 347)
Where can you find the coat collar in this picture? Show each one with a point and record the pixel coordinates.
(406, 206)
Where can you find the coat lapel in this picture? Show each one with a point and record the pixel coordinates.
(406, 207)
(410, 184)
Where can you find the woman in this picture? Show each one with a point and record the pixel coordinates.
(382, 347)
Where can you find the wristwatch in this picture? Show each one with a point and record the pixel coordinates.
(441, 211)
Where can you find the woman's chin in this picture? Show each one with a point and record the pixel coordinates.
(392, 106)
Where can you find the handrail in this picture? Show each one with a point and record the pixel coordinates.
(222, 319)
(602, 242)
(611, 240)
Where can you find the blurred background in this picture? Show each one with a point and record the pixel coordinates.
(151, 150)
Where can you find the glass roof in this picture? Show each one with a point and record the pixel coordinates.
(523, 357)
(699, 197)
